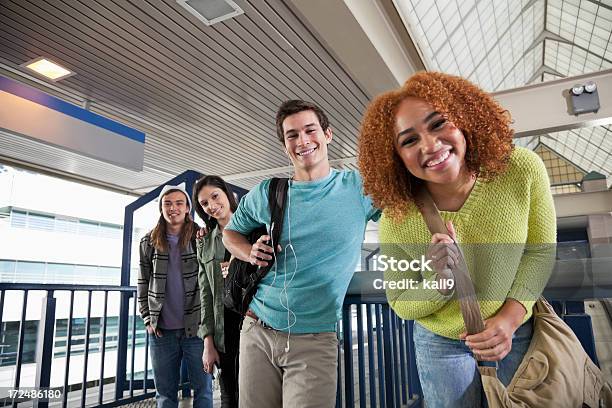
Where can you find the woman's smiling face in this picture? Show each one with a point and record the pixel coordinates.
(431, 147)
(214, 202)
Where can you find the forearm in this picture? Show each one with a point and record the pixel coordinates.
(209, 341)
(513, 311)
(237, 245)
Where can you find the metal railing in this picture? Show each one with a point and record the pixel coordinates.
(385, 362)
(46, 345)
(376, 360)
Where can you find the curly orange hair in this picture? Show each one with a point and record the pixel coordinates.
(484, 123)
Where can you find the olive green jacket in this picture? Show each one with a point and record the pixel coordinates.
(210, 255)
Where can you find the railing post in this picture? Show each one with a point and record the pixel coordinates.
(388, 356)
(44, 346)
(122, 345)
(413, 374)
(124, 307)
(347, 337)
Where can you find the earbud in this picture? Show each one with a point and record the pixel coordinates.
(287, 348)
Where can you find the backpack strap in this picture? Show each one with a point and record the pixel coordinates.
(277, 195)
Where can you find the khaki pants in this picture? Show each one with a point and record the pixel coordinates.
(271, 377)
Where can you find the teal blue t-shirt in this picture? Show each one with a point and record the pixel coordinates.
(325, 221)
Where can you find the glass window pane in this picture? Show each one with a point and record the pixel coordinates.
(41, 222)
(7, 271)
(18, 219)
(110, 231)
(60, 273)
(66, 225)
(88, 228)
(30, 272)
(109, 276)
(86, 274)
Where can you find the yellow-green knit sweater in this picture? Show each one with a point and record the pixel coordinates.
(507, 230)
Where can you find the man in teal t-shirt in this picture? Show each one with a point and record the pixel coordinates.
(288, 344)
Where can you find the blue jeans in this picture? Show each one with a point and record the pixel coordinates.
(448, 373)
(166, 355)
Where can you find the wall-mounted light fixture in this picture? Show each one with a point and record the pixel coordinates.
(584, 98)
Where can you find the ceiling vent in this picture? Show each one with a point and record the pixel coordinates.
(211, 11)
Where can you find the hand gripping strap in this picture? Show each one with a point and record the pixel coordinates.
(470, 309)
(277, 195)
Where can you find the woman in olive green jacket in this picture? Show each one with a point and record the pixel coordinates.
(215, 203)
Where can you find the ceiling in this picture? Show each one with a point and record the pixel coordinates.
(206, 96)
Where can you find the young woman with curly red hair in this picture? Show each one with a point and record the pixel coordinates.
(443, 133)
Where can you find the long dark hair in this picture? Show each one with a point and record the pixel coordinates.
(214, 181)
(158, 235)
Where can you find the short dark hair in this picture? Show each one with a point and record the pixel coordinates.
(294, 106)
(218, 182)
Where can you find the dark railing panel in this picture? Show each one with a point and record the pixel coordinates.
(394, 360)
(371, 356)
(133, 344)
(386, 378)
(361, 358)
(380, 359)
(86, 358)
(385, 374)
(403, 360)
(44, 354)
(347, 336)
(146, 362)
(103, 351)
(1, 311)
(20, 342)
(88, 343)
(68, 347)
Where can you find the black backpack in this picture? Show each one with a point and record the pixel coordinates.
(242, 279)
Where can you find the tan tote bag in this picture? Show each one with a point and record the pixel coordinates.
(555, 371)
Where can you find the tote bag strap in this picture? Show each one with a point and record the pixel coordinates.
(464, 288)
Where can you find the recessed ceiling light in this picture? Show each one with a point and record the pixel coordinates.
(211, 11)
(48, 69)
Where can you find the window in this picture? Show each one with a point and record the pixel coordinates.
(59, 273)
(30, 272)
(18, 219)
(41, 222)
(110, 231)
(66, 225)
(7, 271)
(88, 228)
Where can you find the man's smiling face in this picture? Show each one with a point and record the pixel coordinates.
(305, 141)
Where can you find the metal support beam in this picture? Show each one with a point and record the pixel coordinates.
(543, 108)
(596, 202)
(385, 47)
